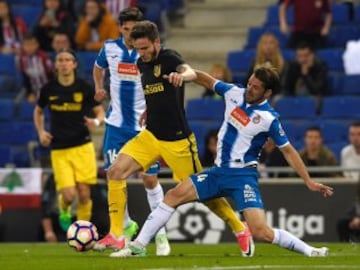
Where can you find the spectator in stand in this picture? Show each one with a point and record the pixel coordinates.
(350, 154)
(348, 228)
(306, 75)
(268, 53)
(12, 29)
(271, 156)
(53, 18)
(35, 66)
(115, 6)
(95, 27)
(209, 155)
(312, 22)
(220, 72)
(316, 153)
(61, 41)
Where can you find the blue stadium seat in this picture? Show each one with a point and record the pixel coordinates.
(272, 15)
(338, 107)
(86, 62)
(8, 64)
(334, 131)
(255, 33)
(6, 129)
(357, 14)
(27, 2)
(295, 129)
(20, 156)
(296, 107)
(25, 111)
(335, 83)
(351, 85)
(22, 133)
(5, 155)
(288, 55)
(240, 61)
(205, 109)
(340, 14)
(333, 58)
(339, 35)
(336, 148)
(7, 109)
(29, 13)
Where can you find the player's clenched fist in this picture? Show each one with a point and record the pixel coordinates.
(175, 79)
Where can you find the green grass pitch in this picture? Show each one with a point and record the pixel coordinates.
(38, 256)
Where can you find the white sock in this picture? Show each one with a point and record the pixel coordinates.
(154, 222)
(127, 218)
(286, 240)
(154, 197)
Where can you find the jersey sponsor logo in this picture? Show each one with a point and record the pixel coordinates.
(78, 96)
(153, 88)
(238, 118)
(52, 98)
(128, 72)
(67, 107)
(157, 70)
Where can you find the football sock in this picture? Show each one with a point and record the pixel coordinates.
(127, 218)
(154, 197)
(223, 210)
(62, 205)
(117, 198)
(286, 240)
(154, 222)
(84, 210)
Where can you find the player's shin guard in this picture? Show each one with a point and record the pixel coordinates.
(117, 198)
(223, 210)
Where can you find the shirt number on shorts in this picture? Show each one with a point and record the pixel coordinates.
(112, 154)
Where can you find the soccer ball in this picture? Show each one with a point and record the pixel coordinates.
(82, 235)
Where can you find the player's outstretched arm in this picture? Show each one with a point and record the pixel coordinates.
(98, 76)
(205, 79)
(295, 161)
(184, 73)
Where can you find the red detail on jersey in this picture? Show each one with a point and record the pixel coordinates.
(240, 116)
(128, 69)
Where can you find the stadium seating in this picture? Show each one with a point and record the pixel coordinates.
(7, 109)
(25, 111)
(340, 14)
(334, 131)
(357, 14)
(332, 57)
(205, 109)
(344, 107)
(351, 85)
(239, 62)
(5, 155)
(8, 66)
(272, 15)
(29, 13)
(296, 107)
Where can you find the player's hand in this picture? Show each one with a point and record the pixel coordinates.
(45, 138)
(175, 79)
(100, 94)
(142, 119)
(91, 123)
(324, 189)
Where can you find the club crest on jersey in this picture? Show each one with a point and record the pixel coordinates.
(256, 119)
(78, 96)
(157, 70)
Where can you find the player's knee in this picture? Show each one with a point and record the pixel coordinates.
(68, 195)
(172, 198)
(116, 173)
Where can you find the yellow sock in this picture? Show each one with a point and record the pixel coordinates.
(117, 198)
(62, 205)
(84, 210)
(223, 210)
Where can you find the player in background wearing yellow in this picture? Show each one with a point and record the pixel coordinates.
(71, 104)
(122, 124)
(167, 134)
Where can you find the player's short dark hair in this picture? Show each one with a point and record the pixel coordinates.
(130, 14)
(269, 78)
(145, 29)
(355, 124)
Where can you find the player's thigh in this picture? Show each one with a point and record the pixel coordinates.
(143, 148)
(62, 168)
(84, 163)
(114, 139)
(207, 184)
(182, 157)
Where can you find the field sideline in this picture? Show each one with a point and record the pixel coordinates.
(35, 256)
